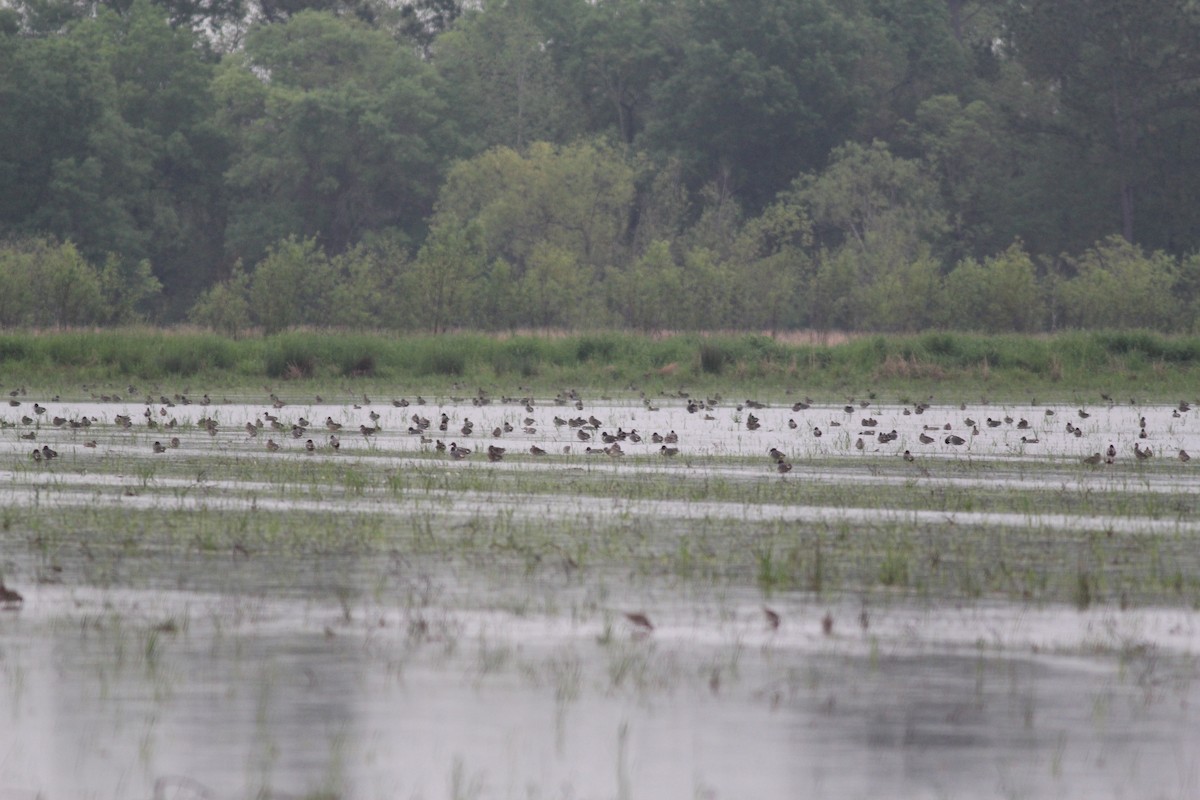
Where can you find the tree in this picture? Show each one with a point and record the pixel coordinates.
(876, 219)
(756, 93)
(574, 198)
(1117, 285)
(348, 135)
(293, 285)
(617, 55)
(999, 295)
(106, 141)
(1124, 73)
(445, 276)
(504, 85)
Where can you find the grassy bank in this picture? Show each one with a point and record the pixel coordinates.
(948, 366)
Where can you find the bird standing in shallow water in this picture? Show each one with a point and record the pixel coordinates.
(10, 598)
(773, 618)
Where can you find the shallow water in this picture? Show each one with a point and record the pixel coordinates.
(253, 694)
(365, 679)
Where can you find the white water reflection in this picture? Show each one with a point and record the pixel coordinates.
(286, 697)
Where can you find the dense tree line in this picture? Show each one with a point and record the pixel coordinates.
(758, 164)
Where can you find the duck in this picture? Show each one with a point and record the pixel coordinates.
(1184, 457)
(773, 618)
(534, 450)
(10, 598)
(955, 439)
(640, 621)
(159, 447)
(1092, 460)
(272, 446)
(334, 442)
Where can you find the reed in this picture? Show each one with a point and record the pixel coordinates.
(1147, 365)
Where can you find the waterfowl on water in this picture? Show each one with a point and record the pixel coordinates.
(639, 621)
(10, 598)
(773, 618)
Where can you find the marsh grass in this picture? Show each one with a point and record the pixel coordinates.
(1146, 365)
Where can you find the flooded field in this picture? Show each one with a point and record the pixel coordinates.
(655, 605)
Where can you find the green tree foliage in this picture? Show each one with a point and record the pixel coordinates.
(106, 141)
(504, 164)
(757, 92)
(1000, 294)
(225, 307)
(616, 54)
(1126, 76)
(293, 285)
(1116, 285)
(348, 136)
(445, 276)
(504, 85)
(575, 198)
(47, 284)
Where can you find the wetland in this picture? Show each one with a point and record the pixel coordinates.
(215, 618)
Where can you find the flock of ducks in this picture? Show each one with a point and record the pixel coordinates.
(590, 433)
(930, 434)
